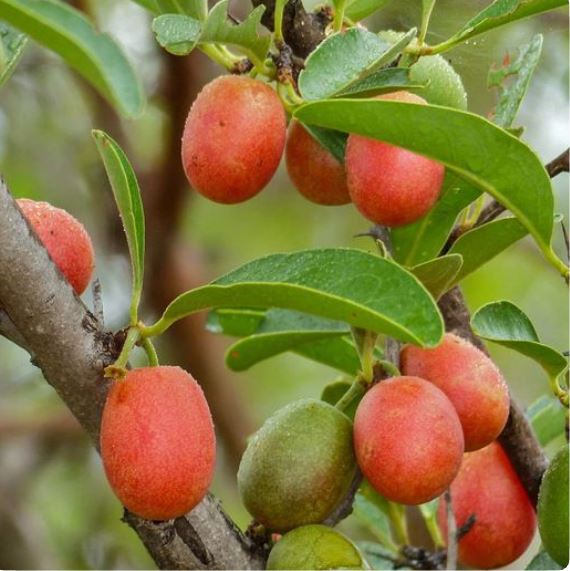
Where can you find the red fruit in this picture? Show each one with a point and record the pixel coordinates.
(65, 239)
(408, 440)
(157, 442)
(390, 185)
(316, 174)
(488, 487)
(233, 139)
(470, 380)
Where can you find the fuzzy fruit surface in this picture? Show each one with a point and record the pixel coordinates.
(408, 440)
(233, 139)
(316, 174)
(157, 442)
(65, 239)
(298, 465)
(553, 508)
(390, 185)
(315, 547)
(467, 376)
(488, 487)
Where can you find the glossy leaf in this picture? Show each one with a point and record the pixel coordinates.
(439, 274)
(360, 9)
(376, 294)
(235, 322)
(481, 153)
(176, 33)
(381, 81)
(333, 141)
(335, 352)
(12, 44)
(483, 243)
(94, 55)
(344, 59)
(548, 418)
(128, 198)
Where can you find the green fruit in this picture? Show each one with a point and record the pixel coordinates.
(553, 508)
(298, 466)
(315, 547)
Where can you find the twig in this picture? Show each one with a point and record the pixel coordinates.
(98, 310)
(344, 509)
(560, 164)
(451, 533)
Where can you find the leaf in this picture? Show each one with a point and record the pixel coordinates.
(481, 153)
(510, 97)
(548, 418)
(197, 9)
(333, 141)
(176, 33)
(543, 561)
(377, 556)
(438, 274)
(128, 198)
(334, 391)
(219, 29)
(373, 515)
(483, 243)
(376, 294)
(382, 81)
(234, 322)
(360, 9)
(427, 9)
(95, 56)
(345, 58)
(12, 44)
(505, 324)
(335, 352)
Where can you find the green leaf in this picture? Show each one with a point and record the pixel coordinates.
(377, 556)
(548, 418)
(334, 391)
(505, 324)
(234, 322)
(427, 9)
(511, 96)
(128, 198)
(95, 56)
(373, 515)
(382, 81)
(543, 561)
(344, 59)
(376, 294)
(360, 9)
(176, 33)
(195, 8)
(12, 44)
(483, 243)
(438, 274)
(481, 153)
(336, 352)
(333, 141)
(219, 29)
(150, 5)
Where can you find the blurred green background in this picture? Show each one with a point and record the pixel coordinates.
(56, 510)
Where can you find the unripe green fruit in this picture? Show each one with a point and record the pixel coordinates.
(298, 466)
(315, 547)
(157, 442)
(553, 508)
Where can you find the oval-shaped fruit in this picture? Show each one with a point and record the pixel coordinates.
(233, 138)
(553, 508)
(315, 547)
(316, 174)
(471, 381)
(390, 185)
(408, 440)
(488, 487)
(65, 239)
(298, 466)
(157, 442)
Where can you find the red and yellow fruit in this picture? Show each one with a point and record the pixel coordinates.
(390, 185)
(65, 239)
(408, 440)
(316, 174)
(488, 487)
(157, 442)
(233, 139)
(470, 380)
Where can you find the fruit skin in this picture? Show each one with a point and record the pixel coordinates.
(298, 466)
(315, 547)
(390, 185)
(408, 440)
(553, 508)
(157, 442)
(488, 486)
(233, 139)
(65, 239)
(471, 381)
(316, 174)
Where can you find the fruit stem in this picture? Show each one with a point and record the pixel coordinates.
(365, 342)
(356, 390)
(223, 58)
(434, 531)
(389, 368)
(397, 515)
(339, 16)
(150, 351)
(278, 20)
(133, 336)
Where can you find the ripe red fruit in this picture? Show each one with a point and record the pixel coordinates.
(488, 486)
(65, 239)
(316, 174)
(390, 185)
(408, 440)
(157, 442)
(233, 139)
(470, 380)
